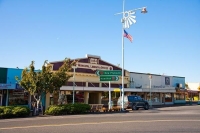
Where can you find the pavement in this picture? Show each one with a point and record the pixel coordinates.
(176, 119)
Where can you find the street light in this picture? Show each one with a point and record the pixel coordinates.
(150, 78)
(74, 67)
(127, 20)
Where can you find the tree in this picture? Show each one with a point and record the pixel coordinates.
(186, 86)
(44, 81)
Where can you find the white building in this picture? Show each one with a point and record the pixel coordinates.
(163, 89)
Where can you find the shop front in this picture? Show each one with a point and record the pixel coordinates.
(12, 94)
(4, 93)
(180, 96)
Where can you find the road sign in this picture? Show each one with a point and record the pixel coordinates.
(109, 78)
(108, 72)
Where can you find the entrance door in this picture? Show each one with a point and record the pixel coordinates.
(0, 100)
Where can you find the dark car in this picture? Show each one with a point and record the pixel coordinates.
(134, 102)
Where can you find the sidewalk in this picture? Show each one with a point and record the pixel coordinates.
(175, 105)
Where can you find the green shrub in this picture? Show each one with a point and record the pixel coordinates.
(55, 110)
(14, 111)
(7, 113)
(20, 111)
(77, 108)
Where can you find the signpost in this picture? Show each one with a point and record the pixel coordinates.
(108, 72)
(109, 78)
(109, 75)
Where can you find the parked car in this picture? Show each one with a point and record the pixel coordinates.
(133, 102)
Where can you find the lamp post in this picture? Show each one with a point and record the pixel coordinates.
(74, 67)
(127, 20)
(150, 78)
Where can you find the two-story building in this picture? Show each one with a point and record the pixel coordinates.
(89, 89)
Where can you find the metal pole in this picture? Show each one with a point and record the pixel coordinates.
(109, 97)
(150, 94)
(123, 57)
(73, 83)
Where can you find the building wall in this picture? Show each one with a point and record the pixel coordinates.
(90, 80)
(141, 80)
(12, 73)
(3, 75)
(178, 80)
(193, 86)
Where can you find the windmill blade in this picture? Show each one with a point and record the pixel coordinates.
(130, 22)
(131, 12)
(132, 17)
(133, 20)
(127, 24)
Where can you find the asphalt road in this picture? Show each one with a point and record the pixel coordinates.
(161, 120)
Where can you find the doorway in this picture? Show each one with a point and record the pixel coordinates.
(0, 99)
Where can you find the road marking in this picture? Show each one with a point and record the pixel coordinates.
(94, 123)
(91, 115)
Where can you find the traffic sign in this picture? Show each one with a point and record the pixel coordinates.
(108, 72)
(109, 78)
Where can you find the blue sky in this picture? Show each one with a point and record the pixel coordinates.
(165, 40)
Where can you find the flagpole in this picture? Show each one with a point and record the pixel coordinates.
(123, 20)
(123, 58)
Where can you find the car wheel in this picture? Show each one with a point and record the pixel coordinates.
(134, 107)
(146, 106)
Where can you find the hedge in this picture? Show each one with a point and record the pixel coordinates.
(77, 108)
(14, 111)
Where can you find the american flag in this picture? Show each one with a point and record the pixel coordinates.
(128, 36)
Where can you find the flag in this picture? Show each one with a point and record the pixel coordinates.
(128, 36)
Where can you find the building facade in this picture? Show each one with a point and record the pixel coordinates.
(89, 89)
(193, 91)
(160, 89)
(10, 91)
(87, 85)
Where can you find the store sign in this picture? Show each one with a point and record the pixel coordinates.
(18, 87)
(7, 86)
(93, 61)
(93, 66)
(167, 81)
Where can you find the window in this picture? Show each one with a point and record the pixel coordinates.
(133, 98)
(168, 97)
(155, 97)
(139, 98)
(179, 96)
(18, 97)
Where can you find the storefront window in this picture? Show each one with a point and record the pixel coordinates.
(155, 97)
(18, 97)
(67, 97)
(168, 97)
(114, 97)
(179, 96)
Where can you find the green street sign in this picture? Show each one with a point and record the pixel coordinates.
(109, 78)
(108, 72)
